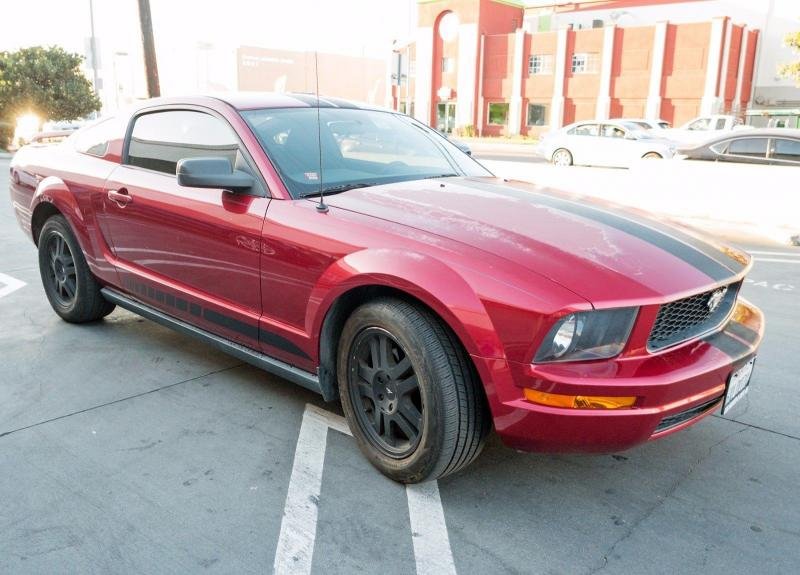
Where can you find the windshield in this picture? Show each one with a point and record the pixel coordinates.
(359, 148)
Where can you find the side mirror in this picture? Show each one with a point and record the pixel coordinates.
(212, 173)
(462, 146)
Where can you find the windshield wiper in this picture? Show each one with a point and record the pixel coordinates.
(330, 190)
(451, 175)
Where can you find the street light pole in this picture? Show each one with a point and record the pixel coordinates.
(93, 47)
(149, 46)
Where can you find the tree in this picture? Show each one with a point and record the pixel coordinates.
(792, 70)
(44, 81)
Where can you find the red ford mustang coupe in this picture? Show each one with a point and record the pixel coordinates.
(433, 299)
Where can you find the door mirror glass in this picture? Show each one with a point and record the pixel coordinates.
(212, 173)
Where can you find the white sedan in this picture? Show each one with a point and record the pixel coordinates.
(616, 143)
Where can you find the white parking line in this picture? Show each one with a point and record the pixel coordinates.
(299, 524)
(778, 261)
(764, 253)
(9, 284)
(295, 550)
(428, 530)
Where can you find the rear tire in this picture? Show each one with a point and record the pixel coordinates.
(72, 290)
(562, 157)
(410, 394)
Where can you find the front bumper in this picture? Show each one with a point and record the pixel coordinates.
(674, 389)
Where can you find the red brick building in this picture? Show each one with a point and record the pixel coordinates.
(496, 67)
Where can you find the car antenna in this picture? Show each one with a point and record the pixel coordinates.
(322, 207)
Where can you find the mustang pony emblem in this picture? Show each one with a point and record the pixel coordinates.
(715, 299)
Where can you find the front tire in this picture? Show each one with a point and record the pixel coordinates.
(410, 395)
(562, 157)
(652, 156)
(70, 287)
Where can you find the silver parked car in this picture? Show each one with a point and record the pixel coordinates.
(616, 143)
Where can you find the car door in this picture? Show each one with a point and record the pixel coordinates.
(614, 149)
(583, 142)
(191, 252)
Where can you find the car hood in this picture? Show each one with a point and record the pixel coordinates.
(598, 251)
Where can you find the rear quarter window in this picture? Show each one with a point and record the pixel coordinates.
(94, 140)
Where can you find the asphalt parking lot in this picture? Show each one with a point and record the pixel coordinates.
(127, 448)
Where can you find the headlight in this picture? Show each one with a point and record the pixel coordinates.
(585, 335)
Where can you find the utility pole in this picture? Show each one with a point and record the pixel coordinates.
(93, 49)
(149, 46)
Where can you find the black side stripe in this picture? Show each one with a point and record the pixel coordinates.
(248, 330)
(694, 252)
(728, 344)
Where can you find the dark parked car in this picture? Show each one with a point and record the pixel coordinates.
(433, 299)
(776, 147)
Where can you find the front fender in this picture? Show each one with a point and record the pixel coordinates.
(426, 278)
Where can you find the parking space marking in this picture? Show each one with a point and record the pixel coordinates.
(295, 550)
(428, 530)
(766, 253)
(10, 285)
(778, 261)
(776, 257)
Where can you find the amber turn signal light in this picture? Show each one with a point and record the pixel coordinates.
(579, 401)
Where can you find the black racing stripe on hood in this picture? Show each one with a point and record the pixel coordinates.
(668, 240)
(731, 346)
(743, 332)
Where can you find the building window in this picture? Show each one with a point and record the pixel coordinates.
(537, 115)
(584, 63)
(448, 65)
(407, 108)
(540, 64)
(498, 114)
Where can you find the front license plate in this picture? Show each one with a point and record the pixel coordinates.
(738, 386)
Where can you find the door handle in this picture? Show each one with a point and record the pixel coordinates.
(120, 197)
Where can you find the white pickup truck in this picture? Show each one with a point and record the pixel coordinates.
(703, 128)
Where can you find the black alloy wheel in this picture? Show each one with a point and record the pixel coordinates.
(385, 392)
(73, 292)
(409, 391)
(61, 276)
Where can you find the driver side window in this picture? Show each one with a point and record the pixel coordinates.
(613, 132)
(160, 139)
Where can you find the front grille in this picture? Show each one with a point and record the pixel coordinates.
(678, 418)
(690, 317)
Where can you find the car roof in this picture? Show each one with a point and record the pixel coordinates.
(260, 100)
(648, 120)
(616, 122)
(756, 133)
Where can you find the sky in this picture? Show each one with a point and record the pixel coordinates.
(196, 40)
